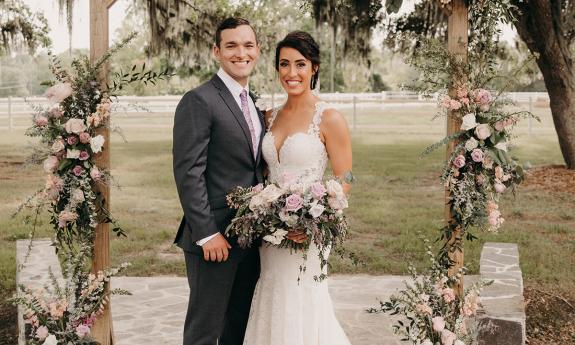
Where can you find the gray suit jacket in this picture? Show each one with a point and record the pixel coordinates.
(212, 154)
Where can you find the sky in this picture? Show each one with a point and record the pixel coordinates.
(81, 25)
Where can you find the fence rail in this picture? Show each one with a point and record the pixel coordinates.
(12, 108)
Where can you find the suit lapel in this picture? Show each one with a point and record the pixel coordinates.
(229, 100)
(263, 131)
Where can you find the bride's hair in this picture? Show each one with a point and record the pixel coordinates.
(306, 46)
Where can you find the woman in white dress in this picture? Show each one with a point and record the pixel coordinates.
(302, 136)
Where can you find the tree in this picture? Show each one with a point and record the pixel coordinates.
(21, 28)
(548, 29)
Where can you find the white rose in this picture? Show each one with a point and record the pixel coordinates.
(468, 122)
(334, 189)
(96, 143)
(427, 342)
(458, 342)
(277, 237)
(77, 195)
(50, 340)
(298, 188)
(73, 154)
(483, 131)
(256, 202)
(286, 218)
(502, 146)
(271, 193)
(316, 210)
(338, 203)
(76, 126)
(471, 144)
(58, 145)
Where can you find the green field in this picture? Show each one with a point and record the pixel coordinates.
(397, 195)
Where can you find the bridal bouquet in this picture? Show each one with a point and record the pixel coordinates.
(270, 211)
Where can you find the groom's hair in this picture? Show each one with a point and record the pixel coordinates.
(306, 46)
(232, 23)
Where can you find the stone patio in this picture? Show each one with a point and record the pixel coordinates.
(155, 313)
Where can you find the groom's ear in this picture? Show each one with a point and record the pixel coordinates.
(216, 52)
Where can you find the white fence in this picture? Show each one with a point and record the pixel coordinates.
(12, 108)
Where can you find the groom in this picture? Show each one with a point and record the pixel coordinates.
(217, 139)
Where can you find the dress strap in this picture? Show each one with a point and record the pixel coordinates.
(275, 112)
(316, 120)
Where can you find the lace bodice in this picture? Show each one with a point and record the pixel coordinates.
(302, 157)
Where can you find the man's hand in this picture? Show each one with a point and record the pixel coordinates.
(297, 236)
(216, 249)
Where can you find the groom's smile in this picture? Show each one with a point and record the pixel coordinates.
(238, 52)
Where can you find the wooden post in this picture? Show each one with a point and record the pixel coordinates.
(102, 330)
(457, 44)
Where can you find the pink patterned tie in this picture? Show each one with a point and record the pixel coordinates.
(247, 116)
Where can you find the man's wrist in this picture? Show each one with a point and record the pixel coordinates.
(206, 239)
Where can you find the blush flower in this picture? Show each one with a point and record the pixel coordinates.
(447, 337)
(438, 324)
(448, 295)
(84, 155)
(75, 126)
(84, 137)
(58, 145)
(483, 131)
(42, 332)
(468, 122)
(41, 121)
(72, 140)
(59, 92)
(316, 210)
(318, 190)
(95, 174)
(50, 164)
(82, 330)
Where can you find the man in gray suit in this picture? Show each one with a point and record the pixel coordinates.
(217, 139)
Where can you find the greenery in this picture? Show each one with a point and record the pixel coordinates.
(20, 28)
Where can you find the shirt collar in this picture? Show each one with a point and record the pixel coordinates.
(232, 85)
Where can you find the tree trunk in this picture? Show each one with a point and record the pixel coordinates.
(540, 25)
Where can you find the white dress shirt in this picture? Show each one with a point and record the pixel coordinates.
(236, 89)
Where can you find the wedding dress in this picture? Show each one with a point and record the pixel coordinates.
(286, 311)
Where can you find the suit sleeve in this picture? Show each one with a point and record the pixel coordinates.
(192, 126)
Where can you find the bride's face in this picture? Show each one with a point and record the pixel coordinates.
(295, 71)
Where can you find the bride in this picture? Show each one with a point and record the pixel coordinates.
(302, 135)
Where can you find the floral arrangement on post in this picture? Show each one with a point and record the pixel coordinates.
(270, 211)
(479, 170)
(434, 315)
(68, 145)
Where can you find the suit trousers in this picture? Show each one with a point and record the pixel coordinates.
(220, 297)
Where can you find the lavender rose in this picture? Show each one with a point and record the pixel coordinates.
(317, 190)
(293, 202)
(82, 330)
(477, 155)
(459, 161)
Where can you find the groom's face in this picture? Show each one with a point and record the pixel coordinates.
(238, 52)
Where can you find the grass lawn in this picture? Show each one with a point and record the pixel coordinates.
(397, 195)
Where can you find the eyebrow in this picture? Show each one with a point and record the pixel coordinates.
(299, 60)
(234, 42)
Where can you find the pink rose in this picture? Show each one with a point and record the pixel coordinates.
(459, 161)
(500, 187)
(464, 101)
(482, 96)
(41, 121)
(50, 164)
(477, 155)
(42, 332)
(72, 140)
(293, 202)
(448, 337)
(454, 105)
(483, 131)
(438, 323)
(499, 125)
(445, 102)
(84, 137)
(84, 155)
(82, 331)
(59, 92)
(318, 190)
(78, 170)
(95, 174)
(448, 295)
